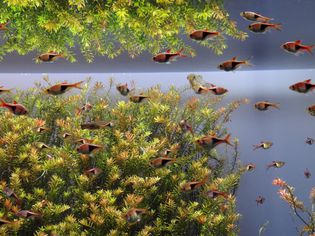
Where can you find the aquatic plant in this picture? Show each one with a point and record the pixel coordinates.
(49, 188)
(306, 216)
(109, 28)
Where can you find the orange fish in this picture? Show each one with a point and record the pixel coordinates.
(93, 172)
(167, 57)
(190, 186)
(276, 164)
(250, 167)
(311, 110)
(96, 125)
(162, 161)
(15, 108)
(133, 215)
(62, 88)
(264, 105)
(4, 90)
(297, 48)
(215, 193)
(185, 126)
(218, 90)
(307, 173)
(201, 35)
(137, 98)
(233, 64)
(302, 87)
(88, 148)
(211, 141)
(260, 200)
(123, 89)
(262, 27)
(253, 16)
(50, 56)
(85, 107)
(27, 214)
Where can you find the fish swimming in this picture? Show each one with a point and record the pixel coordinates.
(85, 107)
(15, 108)
(3, 26)
(137, 98)
(193, 185)
(263, 145)
(303, 87)
(264, 105)
(168, 56)
(215, 193)
(96, 125)
(61, 88)
(27, 214)
(311, 110)
(253, 16)
(250, 167)
(88, 148)
(296, 47)
(4, 90)
(162, 161)
(260, 200)
(262, 27)
(233, 64)
(4, 222)
(185, 126)
(211, 141)
(201, 35)
(309, 141)
(276, 164)
(93, 172)
(133, 215)
(307, 173)
(123, 89)
(50, 56)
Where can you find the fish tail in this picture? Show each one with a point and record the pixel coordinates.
(277, 26)
(77, 85)
(275, 105)
(247, 62)
(227, 140)
(2, 103)
(204, 180)
(78, 111)
(269, 166)
(256, 147)
(180, 53)
(309, 49)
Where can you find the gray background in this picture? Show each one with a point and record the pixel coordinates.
(297, 17)
(287, 128)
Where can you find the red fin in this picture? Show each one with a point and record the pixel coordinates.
(233, 58)
(168, 51)
(309, 49)
(298, 41)
(14, 102)
(227, 140)
(3, 103)
(307, 81)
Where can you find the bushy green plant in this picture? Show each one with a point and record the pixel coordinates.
(53, 183)
(108, 28)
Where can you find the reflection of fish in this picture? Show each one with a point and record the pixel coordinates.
(250, 167)
(276, 164)
(215, 193)
(260, 200)
(201, 35)
(50, 56)
(309, 141)
(303, 87)
(307, 173)
(297, 48)
(253, 16)
(233, 64)
(88, 148)
(262, 27)
(190, 186)
(62, 88)
(264, 105)
(167, 57)
(137, 98)
(43, 129)
(210, 141)
(96, 125)
(263, 145)
(123, 89)
(162, 161)
(133, 215)
(15, 108)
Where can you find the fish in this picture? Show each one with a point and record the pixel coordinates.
(307, 173)
(253, 16)
(15, 108)
(4, 90)
(43, 129)
(4, 222)
(94, 171)
(233, 64)
(3, 26)
(84, 140)
(311, 110)
(10, 193)
(193, 185)
(66, 135)
(250, 167)
(215, 193)
(260, 200)
(303, 86)
(61, 88)
(50, 56)
(218, 90)
(123, 89)
(88, 148)
(41, 145)
(211, 141)
(200, 89)
(309, 141)
(162, 161)
(133, 215)
(168, 56)
(264, 105)
(185, 126)
(85, 107)
(296, 47)
(263, 145)
(276, 164)
(201, 35)
(262, 27)
(97, 125)
(137, 98)
(27, 214)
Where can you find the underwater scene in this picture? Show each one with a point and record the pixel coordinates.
(157, 117)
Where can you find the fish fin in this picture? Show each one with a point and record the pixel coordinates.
(181, 54)
(3, 103)
(298, 41)
(204, 180)
(168, 51)
(227, 140)
(307, 81)
(277, 26)
(275, 105)
(233, 58)
(78, 85)
(14, 102)
(309, 49)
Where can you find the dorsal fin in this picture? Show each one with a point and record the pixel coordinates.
(307, 81)
(168, 51)
(233, 58)
(298, 41)
(14, 102)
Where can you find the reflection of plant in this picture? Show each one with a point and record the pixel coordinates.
(286, 193)
(115, 191)
(111, 27)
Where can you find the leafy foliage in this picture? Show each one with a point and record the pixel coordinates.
(111, 27)
(53, 181)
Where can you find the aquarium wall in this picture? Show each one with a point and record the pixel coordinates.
(287, 128)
